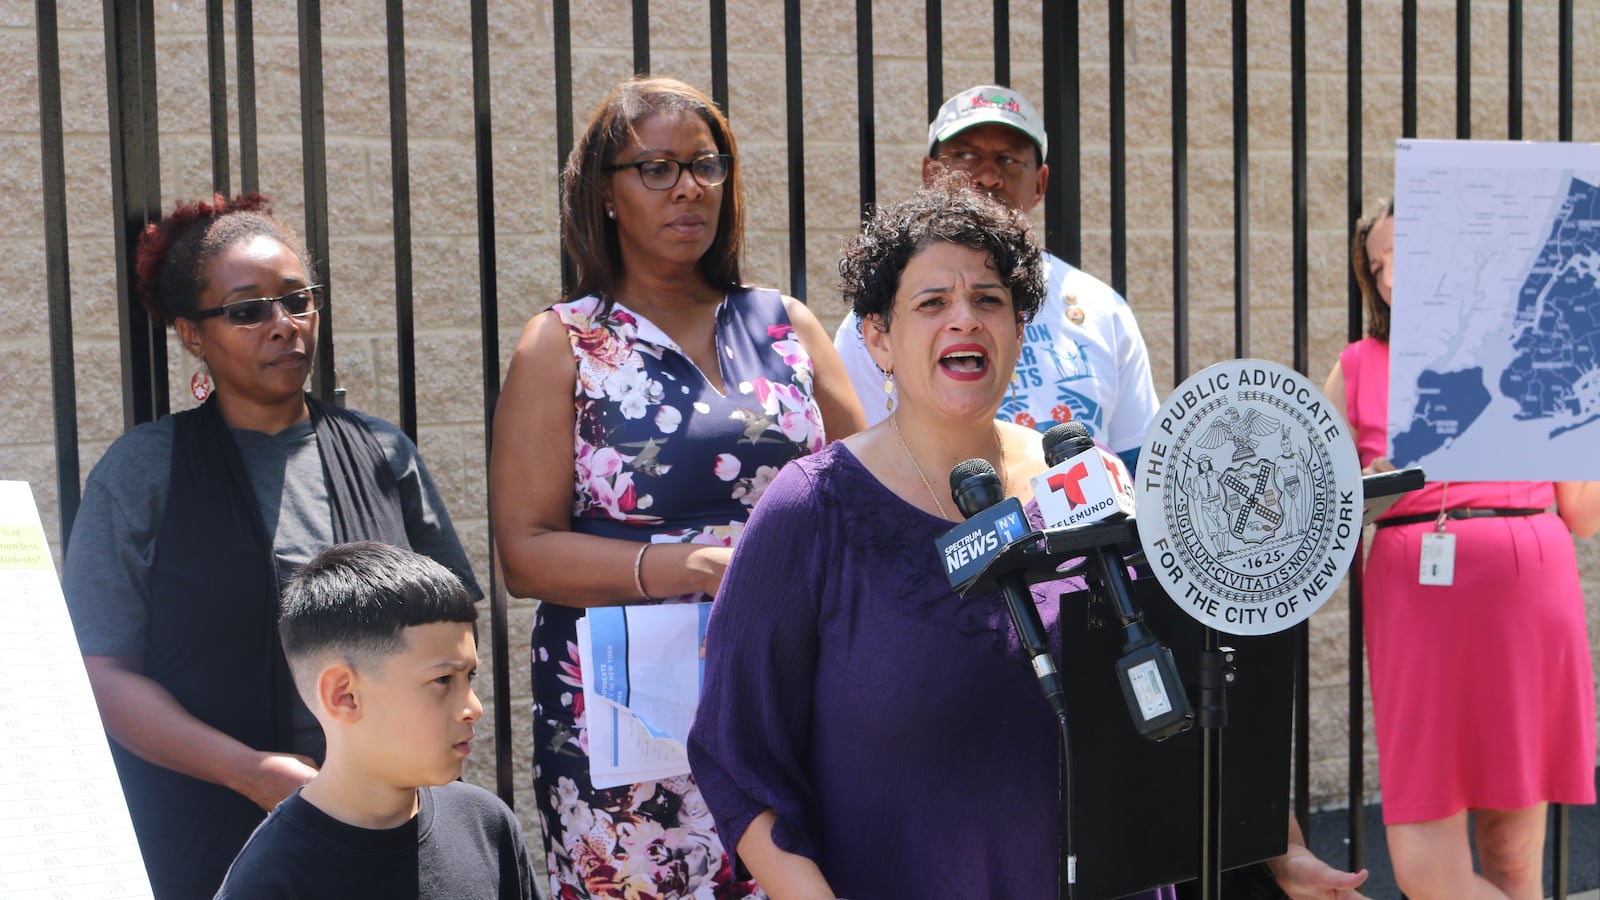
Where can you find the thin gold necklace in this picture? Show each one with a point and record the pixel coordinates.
(895, 420)
(907, 448)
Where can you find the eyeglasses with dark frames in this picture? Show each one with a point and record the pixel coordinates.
(298, 303)
(662, 174)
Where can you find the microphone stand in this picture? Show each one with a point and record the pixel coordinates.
(1216, 673)
(1066, 855)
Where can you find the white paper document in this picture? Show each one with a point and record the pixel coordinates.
(64, 826)
(641, 680)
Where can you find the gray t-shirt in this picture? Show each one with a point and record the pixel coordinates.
(110, 560)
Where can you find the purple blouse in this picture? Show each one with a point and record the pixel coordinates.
(894, 728)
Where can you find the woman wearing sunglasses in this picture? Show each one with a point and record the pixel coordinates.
(641, 419)
(189, 525)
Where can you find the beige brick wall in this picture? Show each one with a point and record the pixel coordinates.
(449, 386)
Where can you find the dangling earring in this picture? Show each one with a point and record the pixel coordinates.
(888, 389)
(1014, 381)
(200, 383)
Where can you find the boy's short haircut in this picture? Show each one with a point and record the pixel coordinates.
(354, 601)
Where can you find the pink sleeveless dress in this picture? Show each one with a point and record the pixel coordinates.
(1482, 692)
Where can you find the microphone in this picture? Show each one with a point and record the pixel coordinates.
(1084, 483)
(1087, 485)
(994, 521)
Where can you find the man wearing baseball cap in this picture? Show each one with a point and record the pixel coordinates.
(1082, 356)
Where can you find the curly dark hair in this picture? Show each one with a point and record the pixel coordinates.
(590, 236)
(947, 212)
(1377, 310)
(173, 252)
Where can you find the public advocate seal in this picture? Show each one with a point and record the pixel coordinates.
(1249, 497)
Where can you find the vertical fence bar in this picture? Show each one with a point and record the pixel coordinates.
(405, 337)
(135, 198)
(1564, 41)
(1463, 69)
(244, 38)
(794, 104)
(934, 13)
(718, 10)
(1063, 217)
(1180, 193)
(1119, 149)
(1408, 68)
(314, 162)
(1300, 199)
(489, 315)
(58, 288)
(1002, 43)
(1355, 705)
(1356, 711)
(866, 126)
(1559, 830)
(1561, 872)
(1241, 181)
(217, 82)
(561, 37)
(1302, 364)
(641, 37)
(1514, 70)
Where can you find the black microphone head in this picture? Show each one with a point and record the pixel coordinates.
(975, 486)
(1066, 440)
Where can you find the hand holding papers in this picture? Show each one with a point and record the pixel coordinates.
(641, 681)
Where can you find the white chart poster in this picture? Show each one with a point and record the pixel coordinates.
(64, 827)
(1495, 338)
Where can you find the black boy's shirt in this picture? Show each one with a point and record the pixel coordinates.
(463, 842)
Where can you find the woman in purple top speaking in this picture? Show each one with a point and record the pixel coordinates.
(863, 731)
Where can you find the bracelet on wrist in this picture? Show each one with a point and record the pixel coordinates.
(638, 572)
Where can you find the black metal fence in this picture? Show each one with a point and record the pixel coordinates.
(135, 174)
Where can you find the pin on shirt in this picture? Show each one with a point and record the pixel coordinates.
(1074, 311)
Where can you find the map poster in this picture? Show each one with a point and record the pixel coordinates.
(1495, 332)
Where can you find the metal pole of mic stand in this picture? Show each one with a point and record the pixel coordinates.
(1216, 673)
(1066, 863)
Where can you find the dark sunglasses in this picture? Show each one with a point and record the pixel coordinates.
(248, 313)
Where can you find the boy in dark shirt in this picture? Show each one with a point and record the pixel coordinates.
(382, 645)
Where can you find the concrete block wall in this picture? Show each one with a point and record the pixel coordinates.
(444, 232)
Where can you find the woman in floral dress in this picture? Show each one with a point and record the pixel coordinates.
(683, 392)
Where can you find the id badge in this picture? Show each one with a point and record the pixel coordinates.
(1438, 559)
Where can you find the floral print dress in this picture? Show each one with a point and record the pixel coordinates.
(660, 456)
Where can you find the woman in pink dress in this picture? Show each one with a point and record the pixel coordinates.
(1482, 689)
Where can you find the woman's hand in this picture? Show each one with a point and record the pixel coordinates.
(275, 777)
(1380, 464)
(1303, 876)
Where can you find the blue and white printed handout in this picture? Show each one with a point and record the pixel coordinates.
(1494, 349)
(641, 680)
(64, 826)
